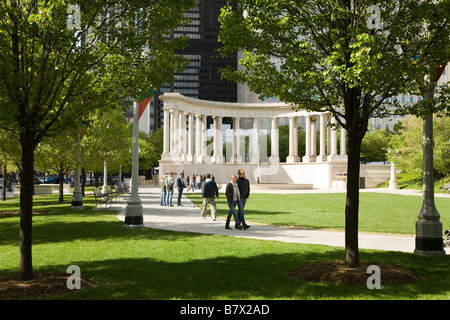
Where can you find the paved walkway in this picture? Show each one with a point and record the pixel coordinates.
(187, 219)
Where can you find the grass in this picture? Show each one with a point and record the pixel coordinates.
(156, 264)
(378, 212)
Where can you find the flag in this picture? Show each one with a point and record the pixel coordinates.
(143, 103)
(439, 71)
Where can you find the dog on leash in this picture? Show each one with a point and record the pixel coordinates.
(447, 238)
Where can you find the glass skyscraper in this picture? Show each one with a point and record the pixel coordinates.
(201, 79)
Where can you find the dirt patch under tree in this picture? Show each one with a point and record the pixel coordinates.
(336, 272)
(43, 285)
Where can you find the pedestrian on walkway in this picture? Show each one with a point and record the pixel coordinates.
(169, 182)
(244, 189)
(233, 199)
(209, 192)
(163, 191)
(191, 183)
(180, 187)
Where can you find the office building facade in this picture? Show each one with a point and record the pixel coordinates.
(201, 79)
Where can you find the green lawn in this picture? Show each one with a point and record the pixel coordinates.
(378, 212)
(155, 264)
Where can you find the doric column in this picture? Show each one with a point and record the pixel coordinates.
(293, 140)
(237, 140)
(204, 137)
(310, 140)
(218, 141)
(334, 155)
(313, 139)
(198, 139)
(343, 143)
(166, 132)
(172, 130)
(220, 158)
(255, 141)
(333, 137)
(176, 134)
(328, 134)
(274, 142)
(190, 153)
(322, 128)
(307, 156)
(182, 135)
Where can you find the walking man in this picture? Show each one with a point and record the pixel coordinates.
(180, 187)
(169, 182)
(209, 192)
(244, 189)
(233, 199)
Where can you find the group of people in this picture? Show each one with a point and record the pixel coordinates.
(237, 192)
(194, 182)
(167, 185)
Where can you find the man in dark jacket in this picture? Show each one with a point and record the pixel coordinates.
(209, 192)
(180, 186)
(233, 199)
(244, 186)
(244, 190)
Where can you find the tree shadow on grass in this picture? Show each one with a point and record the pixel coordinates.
(261, 276)
(230, 277)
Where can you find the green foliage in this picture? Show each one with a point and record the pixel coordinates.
(325, 56)
(407, 150)
(150, 148)
(374, 147)
(106, 137)
(9, 150)
(57, 154)
(317, 54)
(53, 75)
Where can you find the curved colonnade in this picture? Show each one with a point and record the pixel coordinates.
(186, 142)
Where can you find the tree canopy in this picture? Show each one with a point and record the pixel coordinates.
(341, 56)
(61, 60)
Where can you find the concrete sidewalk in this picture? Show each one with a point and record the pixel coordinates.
(187, 219)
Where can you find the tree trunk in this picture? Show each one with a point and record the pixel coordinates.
(26, 207)
(83, 180)
(352, 202)
(61, 187)
(4, 183)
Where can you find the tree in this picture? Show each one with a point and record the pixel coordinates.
(150, 148)
(341, 56)
(375, 145)
(57, 154)
(9, 151)
(407, 149)
(62, 60)
(107, 138)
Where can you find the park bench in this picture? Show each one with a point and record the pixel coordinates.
(125, 188)
(101, 198)
(112, 193)
(446, 187)
(121, 191)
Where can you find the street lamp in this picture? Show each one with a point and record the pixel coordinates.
(428, 227)
(134, 217)
(77, 196)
